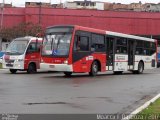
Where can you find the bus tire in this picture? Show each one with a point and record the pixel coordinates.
(68, 74)
(140, 68)
(117, 72)
(134, 71)
(158, 64)
(31, 68)
(13, 71)
(94, 69)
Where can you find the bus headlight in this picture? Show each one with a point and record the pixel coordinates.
(66, 62)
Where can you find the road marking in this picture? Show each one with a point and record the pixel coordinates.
(145, 105)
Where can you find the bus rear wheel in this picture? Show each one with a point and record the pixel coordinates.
(31, 68)
(68, 74)
(13, 71)
(140, 68)
(94, 69)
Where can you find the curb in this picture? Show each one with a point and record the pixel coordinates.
(145, 105)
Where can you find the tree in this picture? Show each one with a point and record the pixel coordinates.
(20, 30)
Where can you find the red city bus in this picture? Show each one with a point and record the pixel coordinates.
(23, 54)
(77, 49)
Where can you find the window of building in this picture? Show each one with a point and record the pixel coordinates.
(87, 4)
(82, 4)
(78, 3)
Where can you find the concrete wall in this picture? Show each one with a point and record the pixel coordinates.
(138, 23)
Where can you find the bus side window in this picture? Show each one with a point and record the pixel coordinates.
(77, 43)
(121, 46)
(32, 47)
(84, 43)
(98, 43)
(140, 47)
(81, 43)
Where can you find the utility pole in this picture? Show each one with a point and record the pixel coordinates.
(2, 13)
(40, 12)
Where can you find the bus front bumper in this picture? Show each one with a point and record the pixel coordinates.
(56, 67)
(18, 66)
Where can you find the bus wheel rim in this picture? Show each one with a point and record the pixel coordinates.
(95, 69)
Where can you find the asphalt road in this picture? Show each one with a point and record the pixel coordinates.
(54, 93)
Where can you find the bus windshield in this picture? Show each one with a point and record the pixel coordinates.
(56, 44)
(17, 47)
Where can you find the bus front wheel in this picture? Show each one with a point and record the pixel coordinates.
(13, 71)
(31, 68)
(94, 69)
(68, 74)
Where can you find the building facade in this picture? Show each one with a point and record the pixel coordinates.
(84, 5)
(150, 7)
(37, 4)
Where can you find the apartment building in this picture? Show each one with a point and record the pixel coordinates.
(37, 4)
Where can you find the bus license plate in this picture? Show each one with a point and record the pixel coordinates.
(9, 65)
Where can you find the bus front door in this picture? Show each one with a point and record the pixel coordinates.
(110, 53)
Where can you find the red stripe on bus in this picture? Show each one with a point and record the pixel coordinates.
(120, 61)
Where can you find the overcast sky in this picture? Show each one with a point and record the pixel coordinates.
(21, 2)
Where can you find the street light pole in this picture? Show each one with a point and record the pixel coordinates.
(2, 13)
